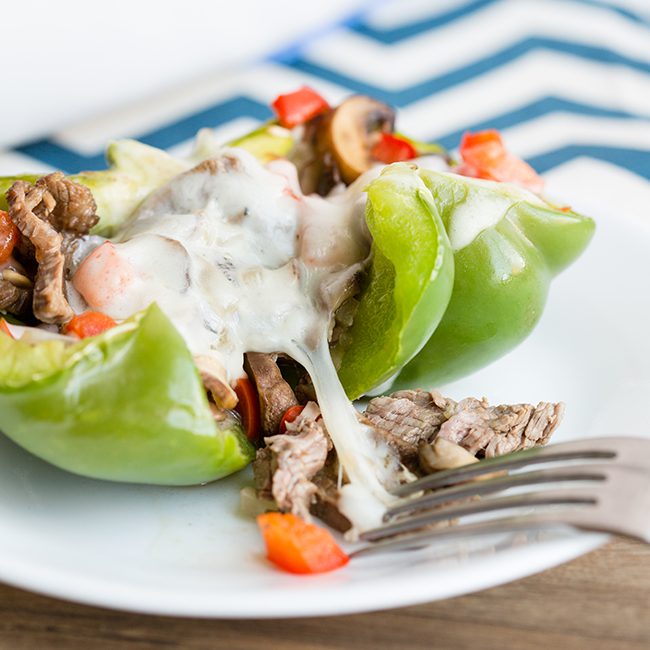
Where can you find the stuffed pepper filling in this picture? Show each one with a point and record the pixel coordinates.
(241, 261)
(249, 294)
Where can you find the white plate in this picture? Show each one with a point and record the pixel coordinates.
(187, 552)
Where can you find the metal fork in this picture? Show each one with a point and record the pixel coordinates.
(614, 496)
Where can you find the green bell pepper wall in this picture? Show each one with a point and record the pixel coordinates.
(501, 281)
(409, 285)
(127, 405)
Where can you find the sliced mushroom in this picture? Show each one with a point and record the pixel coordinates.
(275, 393)
(443, 454)
(349, 133)
(67, 205)
(317, 171)
(19, 280)
(215, 381)
(14, 299)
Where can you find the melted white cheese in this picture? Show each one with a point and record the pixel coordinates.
(485, 205)
(238, 260)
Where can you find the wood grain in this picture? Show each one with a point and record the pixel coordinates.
(598, 602)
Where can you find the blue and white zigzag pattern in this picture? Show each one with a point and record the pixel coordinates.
(560, 78)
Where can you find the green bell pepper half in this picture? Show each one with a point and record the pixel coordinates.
(409, 285)
(128, 405)
(502, 275)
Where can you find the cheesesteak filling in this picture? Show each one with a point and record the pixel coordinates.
(247, 268)
(241, 261)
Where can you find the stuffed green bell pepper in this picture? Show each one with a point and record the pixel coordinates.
(294, 234)
(508, 244)
(235, 259)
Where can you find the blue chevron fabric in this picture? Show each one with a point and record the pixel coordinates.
(560, 78)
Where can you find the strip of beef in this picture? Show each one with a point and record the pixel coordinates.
(325, 503)
(290, 479)
(407, 419)
(68, 206)
(275, 394)
(49, 301)
(51, 215)
(496, 430)
(295, 458)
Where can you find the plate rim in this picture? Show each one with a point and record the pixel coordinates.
(73, 587)
(506, 566)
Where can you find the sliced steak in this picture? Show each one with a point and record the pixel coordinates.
(296, 457)
(496, 430)
(49, 301)
(326, 498)
(263, 473)
(316, 492)
(68, 206)
(274, 392)
(407, 418)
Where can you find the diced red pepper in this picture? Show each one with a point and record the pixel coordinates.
(391, 148)
(299, 547)
(248, 407)
(9, 236)
(485, 156)
(289, 416)
(90, 323)
(5, 328)
(297, 107)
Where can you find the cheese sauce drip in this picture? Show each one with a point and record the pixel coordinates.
(240, 261)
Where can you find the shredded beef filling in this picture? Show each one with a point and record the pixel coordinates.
(295, 458)
(496, 430)
(409, 418)
(299, 470)
(429, 431)
(275, 394)
(68, 206)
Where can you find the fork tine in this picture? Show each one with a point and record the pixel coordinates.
(592, 449)
(490, 527)
(498, 484)
(454, 511)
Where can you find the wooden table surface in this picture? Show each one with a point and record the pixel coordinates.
(598, 602)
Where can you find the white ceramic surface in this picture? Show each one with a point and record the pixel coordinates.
(187, 551)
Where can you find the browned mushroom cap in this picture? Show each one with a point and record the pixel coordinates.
(214, 379)
(348, 133)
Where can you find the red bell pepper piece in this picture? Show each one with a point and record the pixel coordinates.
(297, 107)
(299, 547)
(5, 328)
(9, 235)
(485, 156)
(248, 407)
(90, 323)
(391, 148)
(289, 416)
